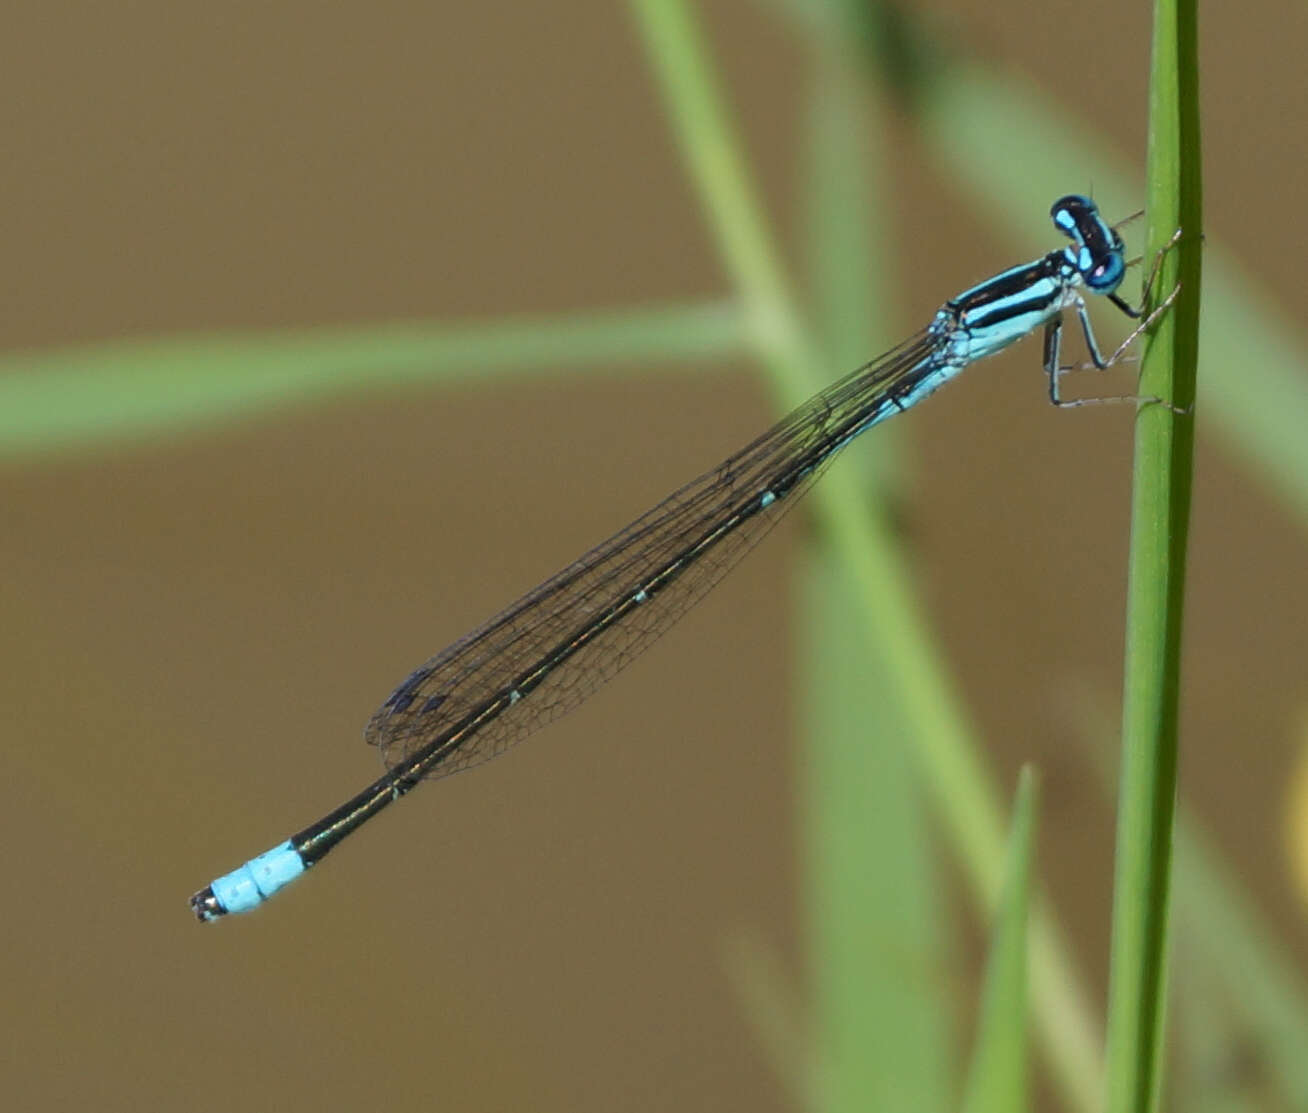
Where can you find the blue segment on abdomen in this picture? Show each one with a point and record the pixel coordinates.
(258, 879)
(930, 382)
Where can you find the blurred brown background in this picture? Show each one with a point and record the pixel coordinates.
(197, 627)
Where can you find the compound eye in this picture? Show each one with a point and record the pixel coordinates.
(1071, 211)
(1106, 275)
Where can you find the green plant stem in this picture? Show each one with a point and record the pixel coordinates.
(997, 1077)
(1155, 594)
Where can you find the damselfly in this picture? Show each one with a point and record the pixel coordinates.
(553, 647)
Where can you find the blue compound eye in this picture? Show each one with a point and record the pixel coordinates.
(1106, 275)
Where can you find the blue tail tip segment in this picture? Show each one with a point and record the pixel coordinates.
(249, 886)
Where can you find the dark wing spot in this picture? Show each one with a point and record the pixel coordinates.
(406, 693)
(431, 705)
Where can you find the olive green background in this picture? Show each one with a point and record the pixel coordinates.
(195, 627)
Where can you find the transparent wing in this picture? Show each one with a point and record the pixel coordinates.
(547, 652)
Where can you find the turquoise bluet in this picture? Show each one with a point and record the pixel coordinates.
(552, 648)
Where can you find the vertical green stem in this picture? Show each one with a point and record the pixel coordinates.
(1159, 528)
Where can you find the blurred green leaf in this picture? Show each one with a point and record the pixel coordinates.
(960, 782)
(997, 1078)
(877, 946)
(771, 1006)
(70, 398)
(878, 951)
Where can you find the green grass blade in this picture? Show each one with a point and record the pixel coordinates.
(63, 399)
(697, 113)
(877, 946)
(1155, 593)
(961, 785)
(771, 1006)
(850, 254)
(877, 943)
(997, 1078)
